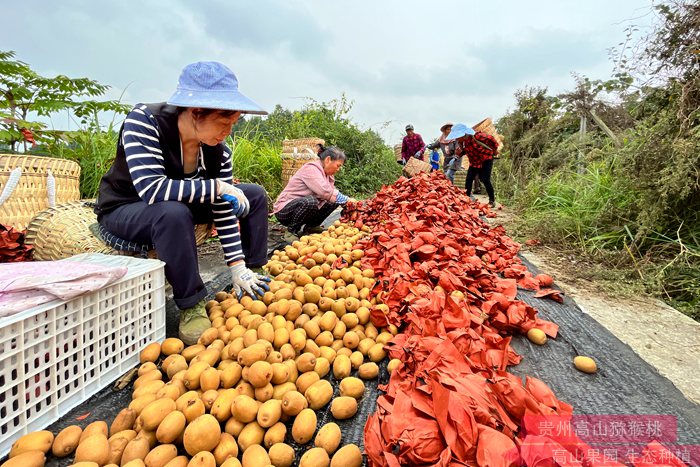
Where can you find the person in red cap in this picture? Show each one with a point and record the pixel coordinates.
(412, 146)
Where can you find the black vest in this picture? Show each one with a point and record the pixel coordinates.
(116, 187)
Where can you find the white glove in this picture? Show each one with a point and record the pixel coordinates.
(245, 280)
(235, 196)
(419, 155)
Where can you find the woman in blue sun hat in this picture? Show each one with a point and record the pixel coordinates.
(172, 170)
(480, 148)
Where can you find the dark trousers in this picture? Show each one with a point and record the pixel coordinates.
(169, 225)
(484, 173)
(304, 211)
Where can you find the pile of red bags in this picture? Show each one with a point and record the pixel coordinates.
(449, 281)
(12, 247)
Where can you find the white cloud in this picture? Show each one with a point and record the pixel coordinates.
(399, 61)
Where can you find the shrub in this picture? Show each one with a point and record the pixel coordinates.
(93, 149)
(257, 161)
(370, 163)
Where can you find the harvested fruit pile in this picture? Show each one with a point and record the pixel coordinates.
(449, 281)
(416, 258)
(261, 370)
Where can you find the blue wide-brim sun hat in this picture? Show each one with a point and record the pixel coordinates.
(459, 130)
(211, 85)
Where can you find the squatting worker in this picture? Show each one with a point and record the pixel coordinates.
(310, 196)
(480, 148)
(412, 145)
(172, 170)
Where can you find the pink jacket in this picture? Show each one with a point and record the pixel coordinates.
(310, 180)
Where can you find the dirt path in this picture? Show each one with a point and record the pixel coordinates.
(665, 338)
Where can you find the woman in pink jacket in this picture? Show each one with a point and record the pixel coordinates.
(311, 196)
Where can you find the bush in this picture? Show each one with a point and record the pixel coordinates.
(93, 149)
(257, 161)
(370, 163)
(630, 200)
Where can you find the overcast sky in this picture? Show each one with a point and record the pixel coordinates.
(403, 62)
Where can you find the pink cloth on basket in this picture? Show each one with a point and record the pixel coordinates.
(26, 285)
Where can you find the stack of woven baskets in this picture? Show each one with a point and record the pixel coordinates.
(397, 152)
(297, 152)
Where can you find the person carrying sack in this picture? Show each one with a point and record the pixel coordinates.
(412, 145)
(480, 148)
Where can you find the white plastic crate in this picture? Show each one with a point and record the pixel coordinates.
(57, 355)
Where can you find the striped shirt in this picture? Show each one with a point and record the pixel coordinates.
(140, 139)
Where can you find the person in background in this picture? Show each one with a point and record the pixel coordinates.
(480, 148)
(412, 146)
(455, 164)
(446, 148)
(434, 160)
(310, 196)
(172, 170)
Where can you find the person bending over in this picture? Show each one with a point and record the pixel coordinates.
(480, 148)
(412, 145)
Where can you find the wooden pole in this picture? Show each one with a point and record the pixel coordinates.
(582, 132)
(604, 127)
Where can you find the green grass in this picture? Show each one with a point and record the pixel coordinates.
(578, 208)
(93, 150)
(589, 212)
(255, 160)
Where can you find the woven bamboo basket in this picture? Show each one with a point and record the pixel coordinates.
(460, 179)
(486, 126)
(30, 196)
(64, 230)
(397, 151)
(415, 166)
(301, 145)
(292, 163)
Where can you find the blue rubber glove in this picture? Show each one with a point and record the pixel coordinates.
(246, 281)
(239, 210)
(235, 196)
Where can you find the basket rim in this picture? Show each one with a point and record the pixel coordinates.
(31, 160)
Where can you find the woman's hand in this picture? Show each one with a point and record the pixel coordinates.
(246, 281)
(235, 196)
